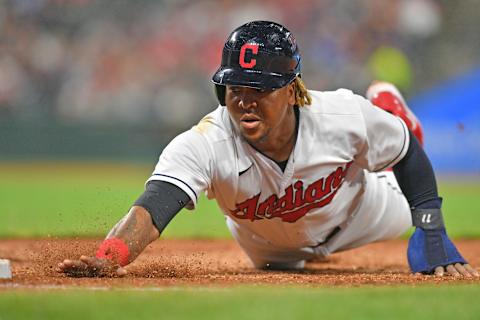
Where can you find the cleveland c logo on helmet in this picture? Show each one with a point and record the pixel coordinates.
(248, 46)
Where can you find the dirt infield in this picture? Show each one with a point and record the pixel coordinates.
(215, 262)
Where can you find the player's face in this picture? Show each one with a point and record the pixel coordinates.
(264, 117)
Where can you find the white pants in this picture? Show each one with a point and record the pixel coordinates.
(390, 219)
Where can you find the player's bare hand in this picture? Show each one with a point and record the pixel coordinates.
(457, 270)
(90, 267)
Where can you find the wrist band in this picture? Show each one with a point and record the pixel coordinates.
(427, 219)
(114, 249)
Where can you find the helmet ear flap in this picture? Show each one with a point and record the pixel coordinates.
(220, 92)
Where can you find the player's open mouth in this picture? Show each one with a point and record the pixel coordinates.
(249, 121)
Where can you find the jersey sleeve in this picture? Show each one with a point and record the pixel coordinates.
(386, 138)
(186, 163)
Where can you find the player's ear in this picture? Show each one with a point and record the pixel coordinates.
(291, 93)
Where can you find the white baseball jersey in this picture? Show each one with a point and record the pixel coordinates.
(341, 138)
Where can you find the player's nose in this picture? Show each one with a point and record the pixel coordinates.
(247, 99)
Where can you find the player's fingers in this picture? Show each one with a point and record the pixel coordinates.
(67, 263)
(92, 262)
(99, 263)
(60, 267)
(103, 267)
(73, 264)
(464, 272)
(121, 272)
(439, 271)
(472, 271)
(64, 265)
(452, 271)
(99, 267)
(75, 268)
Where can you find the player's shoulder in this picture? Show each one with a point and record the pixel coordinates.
(340, 102)
(214, 126)
(204, 138)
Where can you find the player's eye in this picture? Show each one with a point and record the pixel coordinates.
(234, 89)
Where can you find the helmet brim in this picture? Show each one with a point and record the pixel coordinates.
(251, 78)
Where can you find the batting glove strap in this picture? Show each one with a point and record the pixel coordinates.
(428, 219)
(428, 249)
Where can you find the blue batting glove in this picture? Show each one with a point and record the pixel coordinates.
(428, 249)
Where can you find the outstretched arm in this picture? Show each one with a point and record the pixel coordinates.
(429, 249)
(143, 224)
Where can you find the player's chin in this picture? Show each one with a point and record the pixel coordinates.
(254, 137)
(253, 134)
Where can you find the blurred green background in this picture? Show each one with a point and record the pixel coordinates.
(86, 200)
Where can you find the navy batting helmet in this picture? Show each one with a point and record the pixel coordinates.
(258, 54)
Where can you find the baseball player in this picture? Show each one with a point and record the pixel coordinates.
(298, 174)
